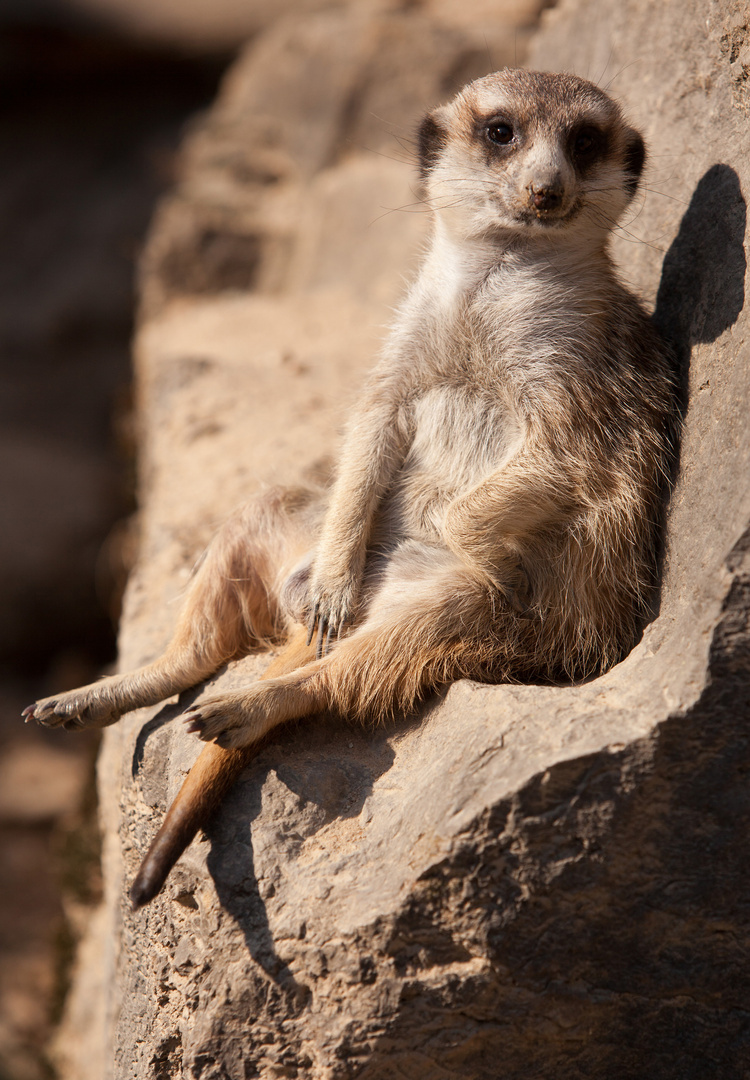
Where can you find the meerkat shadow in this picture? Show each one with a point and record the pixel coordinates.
(165, 715)
(702, 288)
(328, 772)
(231, 864)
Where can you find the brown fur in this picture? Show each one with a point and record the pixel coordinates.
(496, 513)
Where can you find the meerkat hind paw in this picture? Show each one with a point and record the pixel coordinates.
(72, 712)
(211, 719)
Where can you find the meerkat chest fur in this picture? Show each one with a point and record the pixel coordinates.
(499, 347)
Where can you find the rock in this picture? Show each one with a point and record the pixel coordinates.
(191, 24)
(307, 97)
(523, 880)
(226, 24)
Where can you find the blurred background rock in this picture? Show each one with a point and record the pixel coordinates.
(93, 109)
(97, 95)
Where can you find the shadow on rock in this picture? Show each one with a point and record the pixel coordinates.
(321, 771)
(609, 904)
(702, 288)
(165, 715)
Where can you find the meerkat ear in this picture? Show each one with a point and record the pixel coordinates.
(432, 138)
(634, 160)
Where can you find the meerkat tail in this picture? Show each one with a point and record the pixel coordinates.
(203, 790)
(206, 784)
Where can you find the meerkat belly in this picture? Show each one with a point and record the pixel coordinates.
(460, 437)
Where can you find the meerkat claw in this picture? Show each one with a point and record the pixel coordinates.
(320, 642)
(312, 622)
(45, 714)
(193, 722)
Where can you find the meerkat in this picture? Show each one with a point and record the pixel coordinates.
(497, 507)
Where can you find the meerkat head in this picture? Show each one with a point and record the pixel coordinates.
(525, 150)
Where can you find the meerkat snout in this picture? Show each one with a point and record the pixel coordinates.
(545, 178)
(547, 187)
(547, 196)
(546, 183)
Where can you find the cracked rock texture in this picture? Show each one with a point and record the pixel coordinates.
(523, 881)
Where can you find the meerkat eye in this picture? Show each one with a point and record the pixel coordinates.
(500, 133)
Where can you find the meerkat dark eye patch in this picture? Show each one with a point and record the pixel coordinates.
(635, 159)
(432, 138)
(587, 144)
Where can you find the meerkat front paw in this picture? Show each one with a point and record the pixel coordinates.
(332, 605)
(84, 708)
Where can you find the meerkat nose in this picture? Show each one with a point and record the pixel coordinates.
(545, 198)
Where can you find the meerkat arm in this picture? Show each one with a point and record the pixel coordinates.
(376, 445)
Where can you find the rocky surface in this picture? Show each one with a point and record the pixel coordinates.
(522, 881)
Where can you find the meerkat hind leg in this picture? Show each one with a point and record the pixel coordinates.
(231, 607)
(420, 631)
